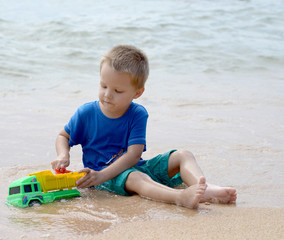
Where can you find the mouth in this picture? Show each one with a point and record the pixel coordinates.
(107, 102)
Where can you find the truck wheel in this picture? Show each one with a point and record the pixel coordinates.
(34, 202)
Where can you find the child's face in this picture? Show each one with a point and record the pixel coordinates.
(116, 92)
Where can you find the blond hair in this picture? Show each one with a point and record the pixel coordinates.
(129, 59)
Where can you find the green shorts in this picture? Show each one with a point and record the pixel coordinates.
(156, 168)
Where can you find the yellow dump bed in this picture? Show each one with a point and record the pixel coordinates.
(49, 181)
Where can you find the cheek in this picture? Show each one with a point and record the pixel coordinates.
(124, 99)
(101, 93)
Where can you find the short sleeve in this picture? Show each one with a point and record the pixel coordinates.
(75, 128)
(138, 127)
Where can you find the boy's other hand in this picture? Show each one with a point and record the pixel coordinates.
(91, 178)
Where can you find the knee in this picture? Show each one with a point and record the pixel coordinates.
(135, 181)
(185, 155)
(137, 177)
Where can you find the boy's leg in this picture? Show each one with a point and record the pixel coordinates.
(184, 162)
(142, 184)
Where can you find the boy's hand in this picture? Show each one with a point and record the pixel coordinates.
(60, 163)
(91, 178)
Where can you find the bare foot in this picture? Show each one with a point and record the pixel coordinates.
(217, 194)
(191, 196)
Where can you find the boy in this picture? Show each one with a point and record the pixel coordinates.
(112, 132)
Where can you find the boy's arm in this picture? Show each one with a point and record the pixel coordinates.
(127, 160)
(62, 149)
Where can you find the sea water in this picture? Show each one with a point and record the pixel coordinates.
(215, 88)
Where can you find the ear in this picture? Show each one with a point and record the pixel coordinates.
(139, 92)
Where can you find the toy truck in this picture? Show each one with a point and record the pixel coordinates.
(43, 187)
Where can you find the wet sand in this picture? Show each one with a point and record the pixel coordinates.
(208, 222)
(213, 222)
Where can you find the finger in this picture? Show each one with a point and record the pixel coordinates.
(85, 177)
(86, 170)
(85, 184)
(81, 180)
(62, 166)
(54, 164)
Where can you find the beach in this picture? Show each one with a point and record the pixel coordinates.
(215, 88)
(224, 223)
(152, 221)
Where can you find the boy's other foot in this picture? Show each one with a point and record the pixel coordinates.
(191, 196)
(217, 194)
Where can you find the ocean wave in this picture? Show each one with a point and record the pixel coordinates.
(189, 36)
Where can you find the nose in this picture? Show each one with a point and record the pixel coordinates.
(108, 93)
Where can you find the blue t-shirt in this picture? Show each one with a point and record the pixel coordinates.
(104, 139)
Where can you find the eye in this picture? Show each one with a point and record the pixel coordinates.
(118, 91)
